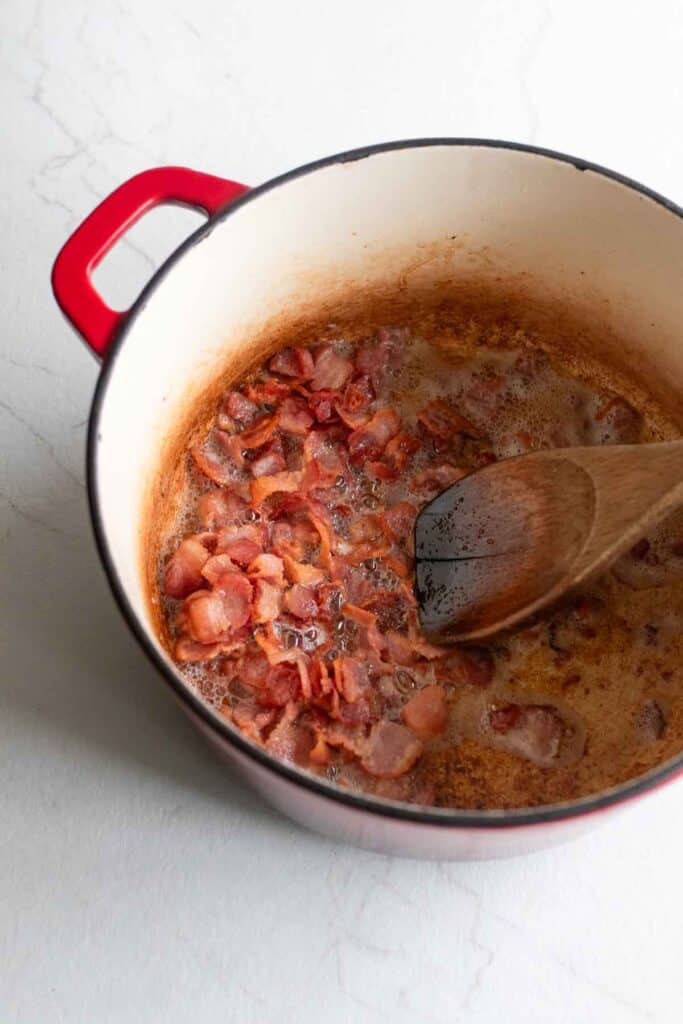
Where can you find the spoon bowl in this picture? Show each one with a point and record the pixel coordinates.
(516, 536)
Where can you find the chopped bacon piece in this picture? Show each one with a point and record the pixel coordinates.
(366, 528)
(381, 470)
(285, 542)
(267, 392)
(276, 655)
(280, 686)
(360, 615)
(217, 565)
(351, 678)
(441, 420)
(426, 713)
(437, 478)
(323, 458)
(235, 591)
(270, 461)
(399, 522)
(473, 666)
(236, 406)
(358, 394)
(252, 531)
(406, 650)
(295, 417)
(301, 572)
(347, 736)
(268, 567)
(399, 450)
(503, 719)
(290, 741)
(251, 667)
(251, 720)
(319, 518)
(242, 550)
(532, 731)
(188, 650)
(301, 602)
(216, 458)
(370, 440)
(323, 405)
(264, 486)
(259, 433)
(267, 601)
(292, 362)
(207, 617)
(331, 370)
(392, 750)
(353, 408)
(219, 507)
(183, 572)
(321, 754)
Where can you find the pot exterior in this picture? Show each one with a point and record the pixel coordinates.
(389, 216)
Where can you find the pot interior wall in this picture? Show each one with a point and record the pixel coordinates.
(397, 222)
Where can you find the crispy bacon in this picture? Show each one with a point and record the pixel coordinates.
(473, 666)
(360, 615)
(399, 451)
(442, 421)
(276, 655)
(392, 750)
(300, 601)
(216, 566)
(267, 601)
(264, 486)
(242, 550)
(218, 507)
(281, 685)
(399, 522)
(267, 392)
(353, 408)
(183, 572)
(288, 740)
(259, 433)
(370, 440)
(426, 713)
(331, 370)
(207, 617)
(292, 362)
(532, 731)
(268, 567)
(323, 405)
(187, 650)
(323, 457)
(295, 417)
(235, 591)
(437, 478)
(236, 406)
(270, 461)
(216, 459)
(301, 572)
(351, 678)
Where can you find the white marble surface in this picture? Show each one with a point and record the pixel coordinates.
(138, 881)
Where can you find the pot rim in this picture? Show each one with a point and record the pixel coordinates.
(443, 817)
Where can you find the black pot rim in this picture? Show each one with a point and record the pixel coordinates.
(444, 817)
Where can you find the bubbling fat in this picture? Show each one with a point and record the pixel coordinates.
(580, 700)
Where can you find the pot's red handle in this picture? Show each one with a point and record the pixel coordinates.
(90, 242)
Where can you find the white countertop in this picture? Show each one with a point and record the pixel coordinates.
(139, 882)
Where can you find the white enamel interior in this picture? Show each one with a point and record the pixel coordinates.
(579, 232)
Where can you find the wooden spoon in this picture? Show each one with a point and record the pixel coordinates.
(510, 539)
